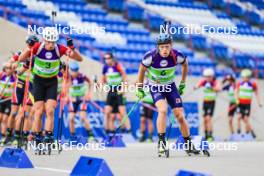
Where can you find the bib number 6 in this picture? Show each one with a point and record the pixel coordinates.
(48, 65)
(163, 73)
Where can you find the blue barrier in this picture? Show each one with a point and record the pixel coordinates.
(190, 173)
(96, 120)
(15, 158)
(88, 166)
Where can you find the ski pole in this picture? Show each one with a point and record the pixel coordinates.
(124, 120)
(171, 122)
(19, 144)
(63, 94)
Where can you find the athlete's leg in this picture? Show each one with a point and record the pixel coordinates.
(149, 118)
(231, 126)
(150, 129)
(12, 117)
(11, 122)
(247, 123)
(71, 122)
(31, 118)
(4, 124)
(86, 123)
(162, 108)
(142, 128)
(85, 120)
(18, 124)
(50, 106)
(239, 118)
(142, 124)
(1, 118)
(39, 110)
(178, 113)
(27, 123)
(3, 135)
(123, 114)
(112, 122)
(108, 109)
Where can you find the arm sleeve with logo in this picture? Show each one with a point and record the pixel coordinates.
(181, 58)
(147, 59)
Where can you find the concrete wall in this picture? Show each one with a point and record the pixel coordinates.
(13, 39)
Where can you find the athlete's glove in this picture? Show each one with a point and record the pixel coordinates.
(182, 88)
(70, 43)
(140, 93)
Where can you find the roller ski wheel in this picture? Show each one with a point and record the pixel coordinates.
(60, 150)
(192, 152)
(38, 152)
(59, 147)
(206, 153)
(7, 141)
(48, 144)
(163, 151)
(167, 153)
(47, 149)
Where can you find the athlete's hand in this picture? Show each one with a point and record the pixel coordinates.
(70, 43)
(88, 96)
(14, 65)
(182, 87)
(140, 93)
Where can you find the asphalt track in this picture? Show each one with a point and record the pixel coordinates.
(139, 159)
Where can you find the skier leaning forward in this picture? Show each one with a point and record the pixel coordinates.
(160, 66)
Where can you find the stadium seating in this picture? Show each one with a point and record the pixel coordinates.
(130, 44)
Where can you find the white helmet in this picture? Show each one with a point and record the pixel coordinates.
(50, 34)
(208, 72)
(246, 73)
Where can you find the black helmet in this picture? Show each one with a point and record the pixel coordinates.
(31, 40)
(164, 39)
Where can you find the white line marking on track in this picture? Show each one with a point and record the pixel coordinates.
(52, 169)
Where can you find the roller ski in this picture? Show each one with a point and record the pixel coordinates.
(2, 141)
(163, 149)
(48, 141)
(7, 141)
(92, 139)
(191, 150)
(39, 147)
(25, 142)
